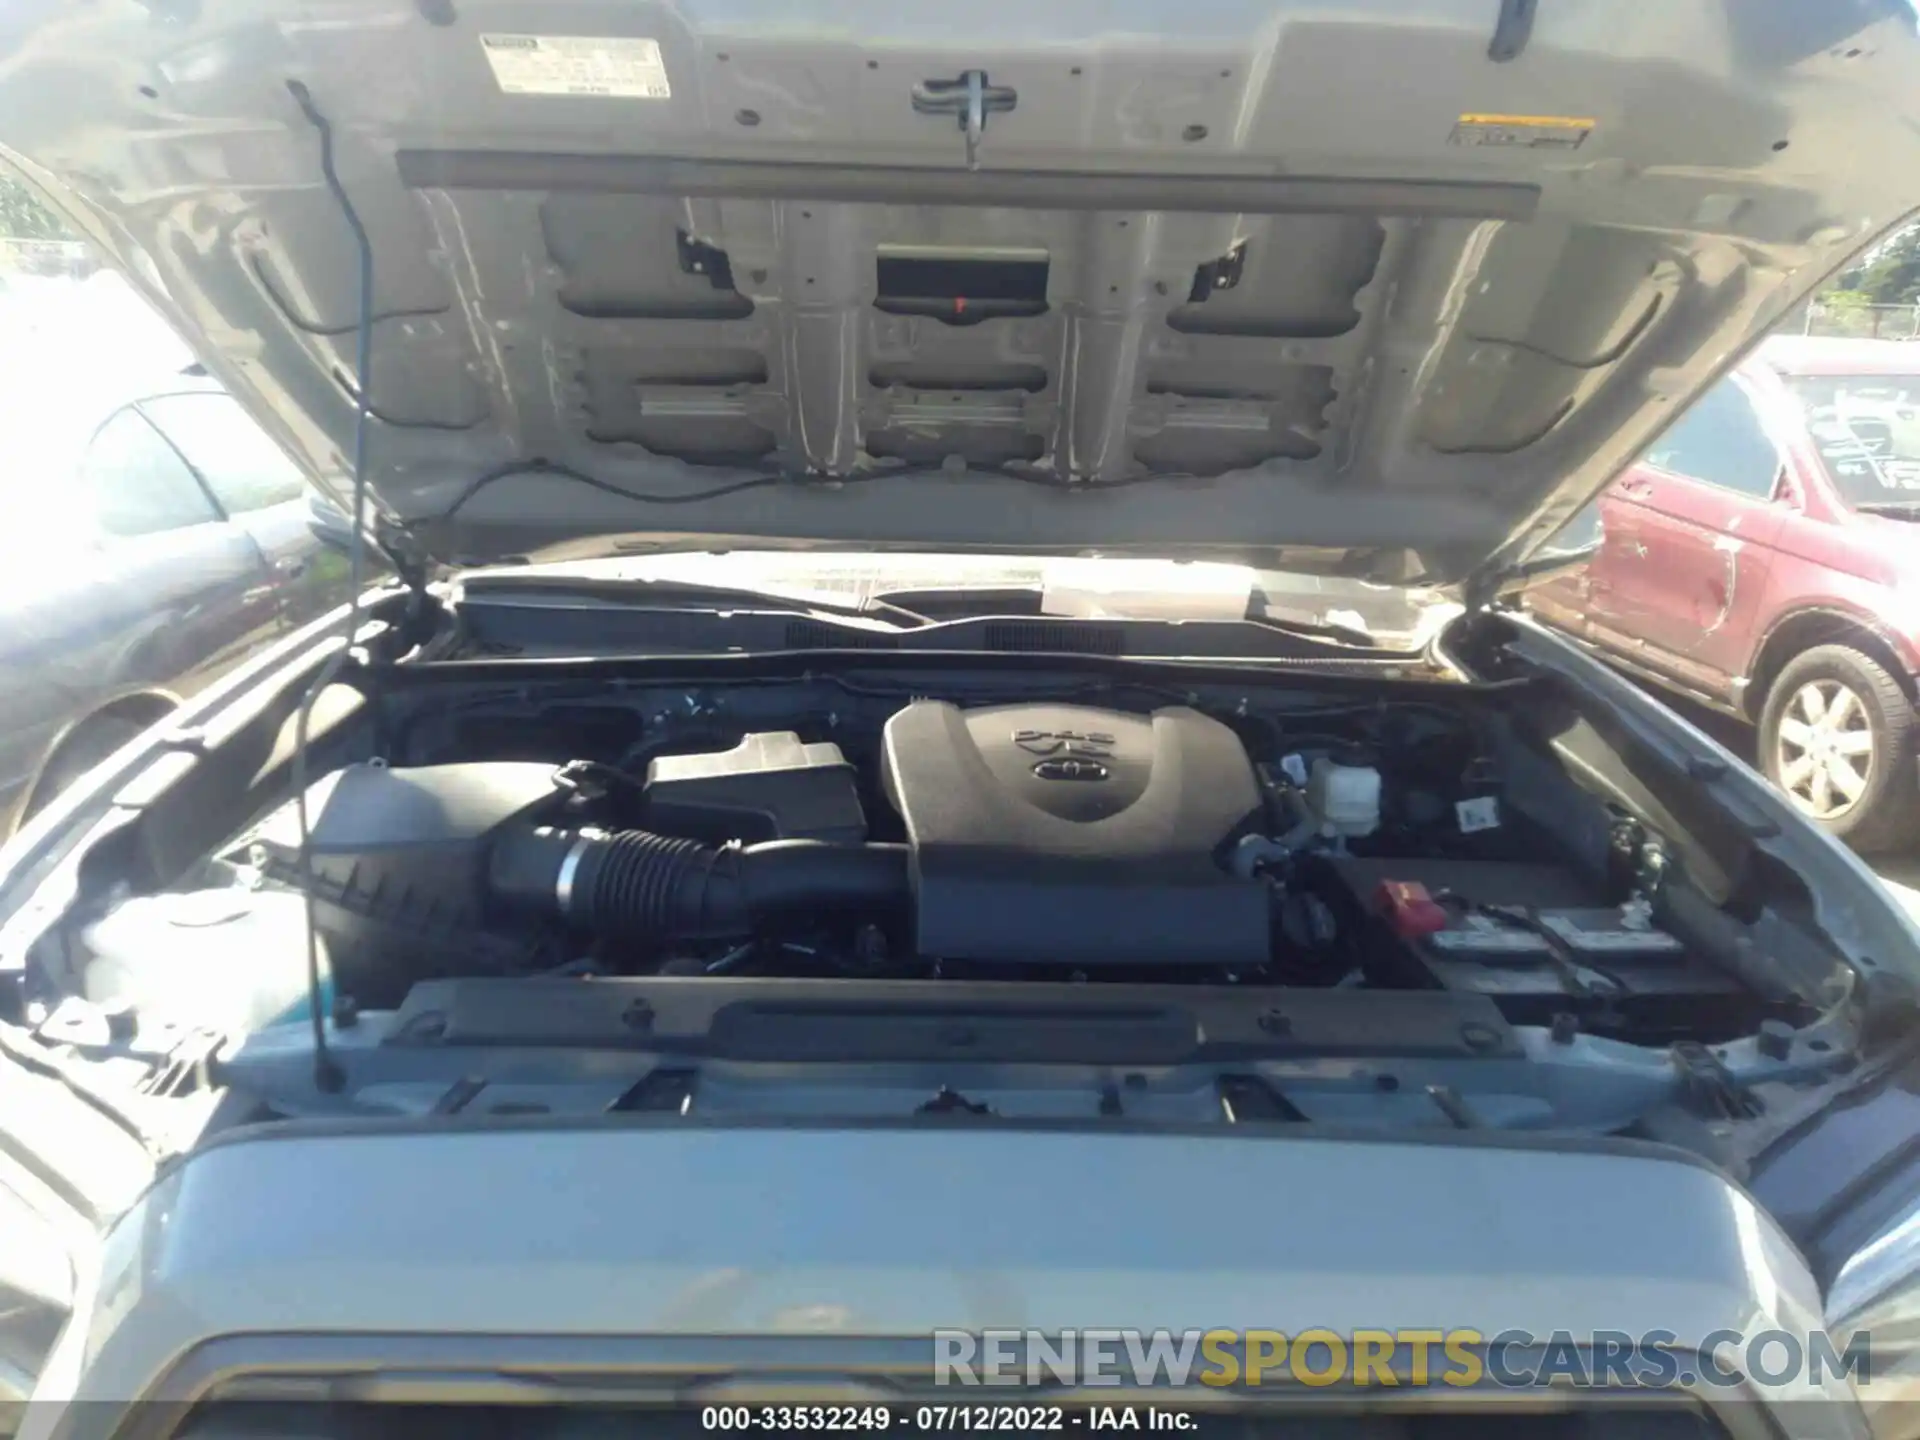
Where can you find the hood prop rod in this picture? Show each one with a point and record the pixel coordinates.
(328, 1077)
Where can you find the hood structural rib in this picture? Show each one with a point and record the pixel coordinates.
(1315, 286)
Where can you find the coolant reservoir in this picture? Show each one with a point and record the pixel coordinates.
(1344, 798)
(231, 960)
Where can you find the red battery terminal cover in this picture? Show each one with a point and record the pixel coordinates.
(1409, 909)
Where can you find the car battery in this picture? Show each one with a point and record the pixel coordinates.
(1525, 951)
(1532, 937)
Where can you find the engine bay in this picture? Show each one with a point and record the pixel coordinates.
(971, 887)
(1036, 842)
(669, 902)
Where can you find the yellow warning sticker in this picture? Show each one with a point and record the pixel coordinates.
(1522, 132)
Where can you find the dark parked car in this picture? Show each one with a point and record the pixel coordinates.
(182, 538)
(1763, 558)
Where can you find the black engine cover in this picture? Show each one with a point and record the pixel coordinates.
(1056, 834)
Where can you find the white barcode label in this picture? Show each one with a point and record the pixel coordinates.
(605, 67)
(1611, 941)
(1490, 942)
(1480, 814)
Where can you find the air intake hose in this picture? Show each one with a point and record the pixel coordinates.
(638, 884)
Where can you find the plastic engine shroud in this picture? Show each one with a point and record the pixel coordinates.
(1067, 835)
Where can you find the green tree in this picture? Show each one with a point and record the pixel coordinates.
(1844, 312)
(23, 217)
(1892, 276)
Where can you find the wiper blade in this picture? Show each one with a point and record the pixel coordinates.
(737, 624)
(645, 593)
(540, 610)
(1024, 604)
(1330, 633)
(890, 619)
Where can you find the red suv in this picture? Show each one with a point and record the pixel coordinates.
(1764, 557)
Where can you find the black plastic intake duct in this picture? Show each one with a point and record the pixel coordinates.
(637, 884)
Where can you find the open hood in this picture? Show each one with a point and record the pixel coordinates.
(1381, 287)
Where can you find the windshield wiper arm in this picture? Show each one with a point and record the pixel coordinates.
(645, 593)
(1326, 632)
(542, 610)
(1024, 602)
(896, 614)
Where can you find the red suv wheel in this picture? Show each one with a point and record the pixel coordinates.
(1836, 734)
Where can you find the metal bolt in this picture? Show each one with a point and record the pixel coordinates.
(1276, 1022)
(1565, 1026)
(637, 1016)
(1477, 1036)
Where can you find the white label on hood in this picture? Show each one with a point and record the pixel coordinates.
(1479, 814)
(608, 67)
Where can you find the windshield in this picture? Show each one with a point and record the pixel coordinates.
(1867, 430)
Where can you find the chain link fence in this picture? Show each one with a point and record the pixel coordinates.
(1858, 322)
(47, 259)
